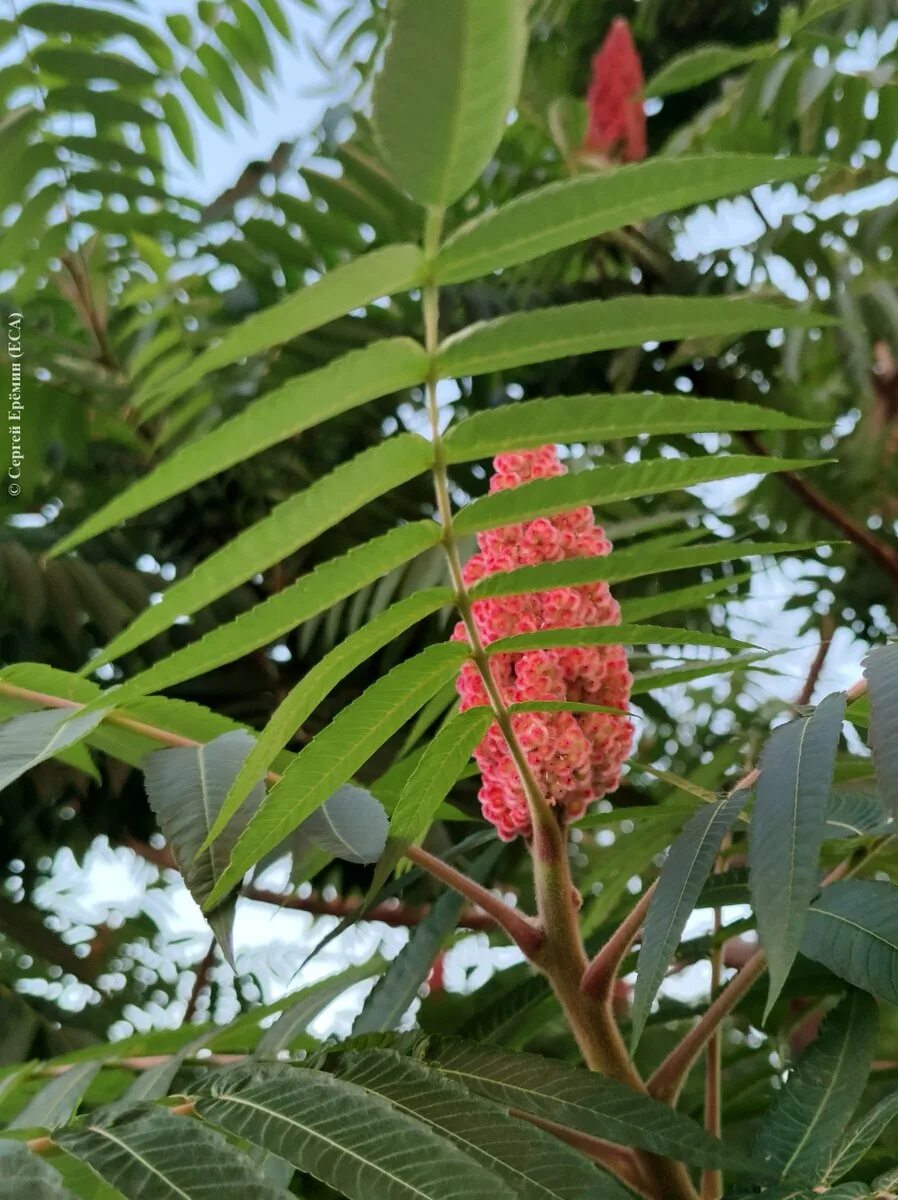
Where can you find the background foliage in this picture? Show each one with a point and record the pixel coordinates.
(126, 280)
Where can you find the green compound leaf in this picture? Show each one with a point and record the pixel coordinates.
(381, 273)
(293, 523)
(317, 683)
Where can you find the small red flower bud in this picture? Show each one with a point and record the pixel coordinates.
(616, 127)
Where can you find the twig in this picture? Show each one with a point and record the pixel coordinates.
(827, 630)
(669, 1078)
(399, 916)
(203, 967)
(883, 555)
(522, 929)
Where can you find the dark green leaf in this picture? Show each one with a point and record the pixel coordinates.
(788, 828)
(801, 1130)
(150, 1154)
(535, 1164)
(578, 1099)
(683, 876)
(31, 738)
(350, 1139)
(351, 825)
(881, 671)
(298, 405)
(853, 930)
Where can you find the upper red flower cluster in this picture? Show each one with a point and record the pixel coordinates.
(575, 756)
(616, 125)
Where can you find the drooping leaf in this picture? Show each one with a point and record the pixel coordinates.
(544, 334)
(862, 1136)
(186, 787)
(881, 671)
(562, 213)
(393, 993)
(788, 828)
(450, 74)
(351, 824)
(601, 485)
(596, 418)
(800, 1132)
(151, 1154)
(536, 1165)
(579, 1099)
(343, 1135)
(335, 754)
(54, 1104)
(437, 771)
(343, 384)
(705, 62)
(33, 737)
(379, 273)
(283, 611)
(612, 635)
(853, 930)
(316, 684)
(290, 525)
(683, 876)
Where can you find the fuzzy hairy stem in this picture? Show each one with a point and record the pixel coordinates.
(668, 1080)
(520, 928)
(598, 981)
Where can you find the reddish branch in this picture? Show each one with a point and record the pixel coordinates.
(827, 630)
(883, 555)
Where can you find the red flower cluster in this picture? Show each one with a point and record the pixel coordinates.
(616, 125)
(575, 756)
